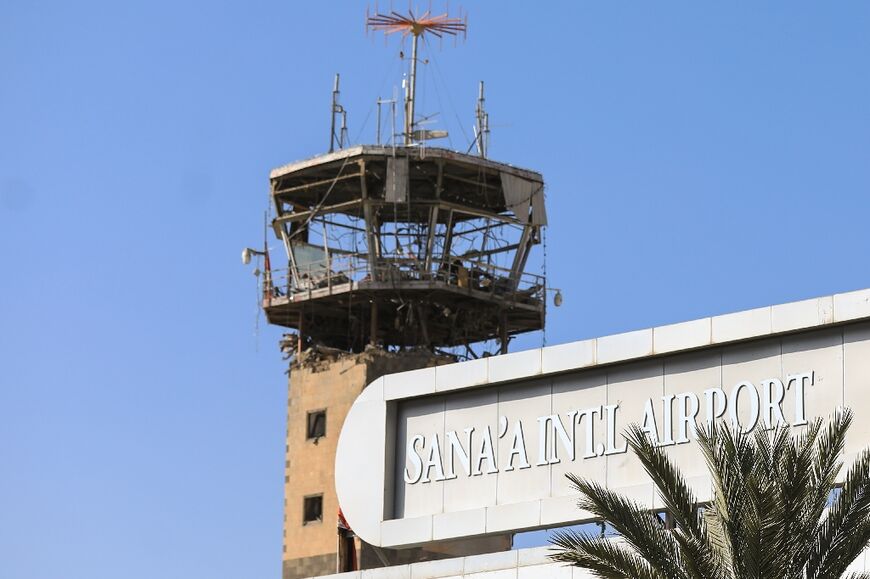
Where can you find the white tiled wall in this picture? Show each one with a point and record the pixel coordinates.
(521, 564)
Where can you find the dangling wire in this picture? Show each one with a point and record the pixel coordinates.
(258, 291)
(544, 273)
(261, 278)
(440, 103)
(439, 75)
(391, 70)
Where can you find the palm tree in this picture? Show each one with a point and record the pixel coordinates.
(776, 512)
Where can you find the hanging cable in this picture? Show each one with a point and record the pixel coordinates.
(440, 105)
(544, 273)
(390, 72)
(447, 91)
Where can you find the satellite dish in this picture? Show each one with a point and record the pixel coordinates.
(246, 256)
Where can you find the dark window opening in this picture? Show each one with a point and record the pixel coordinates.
(316, 424)
(312, 509)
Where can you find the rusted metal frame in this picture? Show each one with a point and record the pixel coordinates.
(495, 250)
(522, 255)
(426, 282)
(485, 238)
(482, 265)
(306, 186)
(340, 207)
(326, 161)
(467, 161)
(303, 215)
(339, 251)
(281, 233)
(328, 259)
(489, 226)
(372, 240)
(278, 227)
(279, 224)
(433, 216)
(430, 238)
(337, 224)
(416, 286)
(479, 212)
(294, 271)
(448, 239)
(471, 182)
(273, 185)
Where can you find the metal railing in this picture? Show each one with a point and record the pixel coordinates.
(342, 273)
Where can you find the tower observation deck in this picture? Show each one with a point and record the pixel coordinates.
(406, 246)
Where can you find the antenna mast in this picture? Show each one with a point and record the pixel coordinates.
(415, 26)
(482, 128)
(337, 109)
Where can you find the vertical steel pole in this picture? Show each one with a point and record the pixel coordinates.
(393, 123)
(332, 115)
(378, 138)
(481, 137)
(412, 89)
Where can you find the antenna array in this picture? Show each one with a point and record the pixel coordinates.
(416, 26)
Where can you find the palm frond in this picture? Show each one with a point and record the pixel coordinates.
(805, 486)
(680, 501)
(603, 557)
(730, 458)
(844, 532)
(641, 529)
(769, 515)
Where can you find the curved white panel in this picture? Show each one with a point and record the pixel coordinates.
(359, 463)
(817, 350)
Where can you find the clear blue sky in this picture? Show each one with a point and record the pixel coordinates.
(700, 158)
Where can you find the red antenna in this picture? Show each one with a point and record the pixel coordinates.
(416, 26)
(411, 24)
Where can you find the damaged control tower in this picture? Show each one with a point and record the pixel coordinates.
(399, 256)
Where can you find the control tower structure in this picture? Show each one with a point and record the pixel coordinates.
(399, 255)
